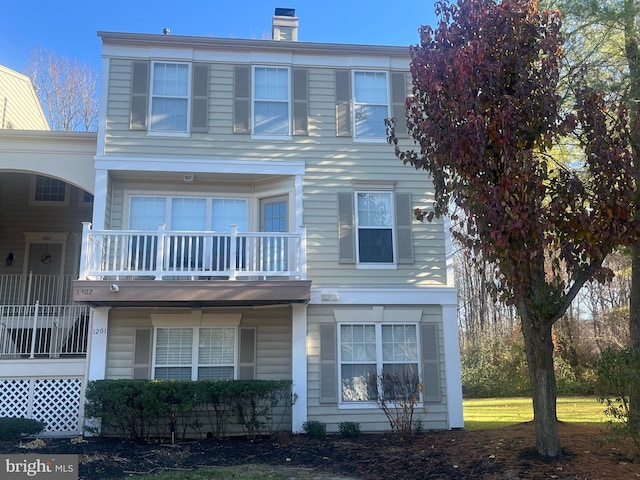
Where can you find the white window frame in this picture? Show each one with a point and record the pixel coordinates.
(195, 360)
(54, 203)
(254, 100)
(357, 103)
(392, 227)
(153, 96)
(379, 361)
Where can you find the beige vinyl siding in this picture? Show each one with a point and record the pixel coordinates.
(19, 104)
(331, 164)
(370, 419)
(119, 95)
(273, 340)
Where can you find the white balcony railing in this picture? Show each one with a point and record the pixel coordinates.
(49, 331)
(163, 254)
(18, 289)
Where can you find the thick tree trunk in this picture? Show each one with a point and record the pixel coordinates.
(538, 346)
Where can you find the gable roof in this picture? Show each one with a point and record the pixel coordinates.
(20, 108)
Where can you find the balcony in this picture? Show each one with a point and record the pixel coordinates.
(169, 255)
(149, 268)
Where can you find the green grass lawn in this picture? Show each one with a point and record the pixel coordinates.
(483, 413)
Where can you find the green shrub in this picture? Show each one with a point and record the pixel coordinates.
(617, 372)
(141, 409)
(349, 429)
(13, 429)
(315, 428)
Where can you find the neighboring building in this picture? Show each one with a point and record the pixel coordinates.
(251, 222)
(20, 108)
(45, 180)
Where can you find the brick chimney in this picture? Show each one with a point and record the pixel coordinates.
(285, 25)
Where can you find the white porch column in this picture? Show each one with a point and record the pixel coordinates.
(452, 365)
(299, 365)
(97, 354)
(100, 198)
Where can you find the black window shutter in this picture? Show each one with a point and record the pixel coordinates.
(404, 218)
(300, 101)
(430, 364)
(346, 228)
(142, 354)
(242, 99)
(398, 97)
(200, 98)
(139, 96)
(247, 354)
(343, 103)
(328, 364)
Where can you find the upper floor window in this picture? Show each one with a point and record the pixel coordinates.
(375, 226)
(370, 103)
(271, 101)
(364, 99)
(374, 220)
(187, 213)
(170, 97)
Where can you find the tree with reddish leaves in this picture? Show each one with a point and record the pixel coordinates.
(486, 113)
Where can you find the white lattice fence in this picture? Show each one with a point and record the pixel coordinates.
(54, 401)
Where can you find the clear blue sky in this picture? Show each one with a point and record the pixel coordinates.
(68, 27)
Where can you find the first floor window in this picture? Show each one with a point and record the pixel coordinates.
(373, 353)
(195, 353)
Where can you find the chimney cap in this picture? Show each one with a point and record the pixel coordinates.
(285, 12)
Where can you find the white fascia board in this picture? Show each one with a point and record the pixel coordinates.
(257, 57)
(199, 165)
(387, 296)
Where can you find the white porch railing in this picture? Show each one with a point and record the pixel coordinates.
(49, 331)
(191, 254)
(18, 289)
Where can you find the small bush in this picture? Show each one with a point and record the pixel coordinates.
(314, 428)
(399, 394)
(349, 429)
(13, 429)
(617, 373)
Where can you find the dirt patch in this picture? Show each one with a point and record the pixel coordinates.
(500, 454)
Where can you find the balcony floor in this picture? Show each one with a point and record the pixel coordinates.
(194, 294)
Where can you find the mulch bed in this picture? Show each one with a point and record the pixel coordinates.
(500, 454)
